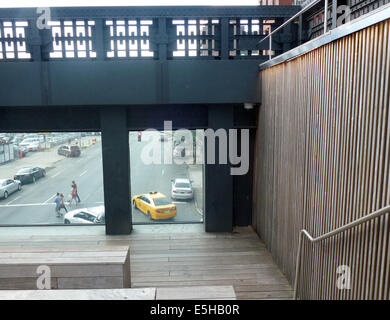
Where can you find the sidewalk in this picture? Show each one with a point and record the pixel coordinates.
(45, 159)
(195, 173)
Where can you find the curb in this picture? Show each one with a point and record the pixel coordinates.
(196, 203)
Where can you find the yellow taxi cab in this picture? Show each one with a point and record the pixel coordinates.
(155, 205)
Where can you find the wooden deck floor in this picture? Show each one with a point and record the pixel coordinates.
(186, 259)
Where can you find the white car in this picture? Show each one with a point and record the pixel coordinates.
(31, 136)
(182, 189)
(31, 144)
(8, 186)
(85, 215)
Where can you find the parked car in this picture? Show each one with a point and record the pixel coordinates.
(85, 215)
(30, 174)
(17, 151)
(31, 144)
(17, 140)
(5, 139)
(32, 136)
(181, 189)
(69, 151)
(8, 186)
(155, 205)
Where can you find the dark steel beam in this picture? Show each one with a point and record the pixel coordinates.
(127, 82)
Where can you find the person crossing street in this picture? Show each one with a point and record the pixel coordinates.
(73, 193)
(62, 205)
(57, 201)
(74, 186)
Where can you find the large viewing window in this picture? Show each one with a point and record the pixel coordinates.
(167, 176)
(34, 167)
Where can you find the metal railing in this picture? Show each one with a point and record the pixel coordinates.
(304, 9)
(149, 33)
(327, 235)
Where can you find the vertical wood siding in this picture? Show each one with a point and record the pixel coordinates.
(322, 160)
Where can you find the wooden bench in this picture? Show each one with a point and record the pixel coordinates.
(80, 294)
(70, 267)
(177, 293)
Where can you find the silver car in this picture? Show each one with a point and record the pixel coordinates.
(8, 186)
(182, 189)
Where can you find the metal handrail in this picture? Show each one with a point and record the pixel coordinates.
(327, 235)
(310, 5)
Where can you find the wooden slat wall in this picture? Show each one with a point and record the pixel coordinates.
(322, 160)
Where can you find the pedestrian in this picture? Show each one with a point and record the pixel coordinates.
(62, 203)
(57, 201)
(73, 193)
(74, 186)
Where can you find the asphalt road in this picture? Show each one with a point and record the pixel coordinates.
(35, 203)
(157, 177)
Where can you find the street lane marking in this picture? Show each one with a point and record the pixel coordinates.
(179, 202)
(55, 175)
(49, 204)
(50, 198)
(27, 205)
(13, 200)
(83, 173)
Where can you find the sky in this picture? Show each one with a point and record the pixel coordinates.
(76, 3)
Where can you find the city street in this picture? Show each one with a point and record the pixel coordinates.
(157, 177)
(34, 204)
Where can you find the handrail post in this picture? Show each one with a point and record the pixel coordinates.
(270, 47)
(326, 16)
(306, 8)
(298, 265)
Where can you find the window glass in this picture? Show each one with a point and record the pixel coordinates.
(161, 202)
(159, 157)
(45, 169)
(89, 217)
(182, 185)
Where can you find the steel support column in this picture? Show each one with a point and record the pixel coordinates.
(116, 170)
(219, 182)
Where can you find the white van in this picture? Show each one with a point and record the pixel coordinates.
(31, 144)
